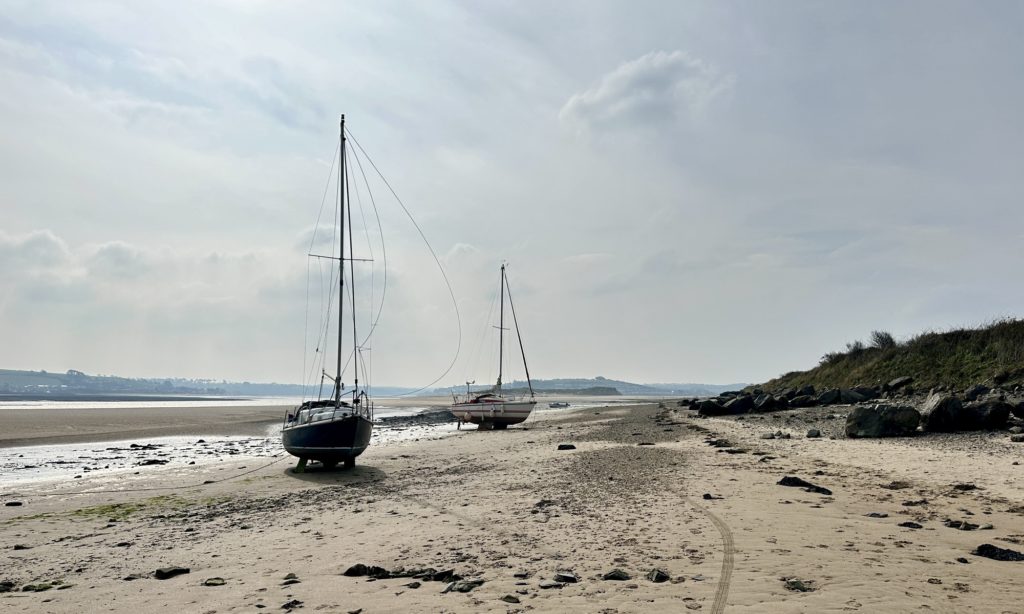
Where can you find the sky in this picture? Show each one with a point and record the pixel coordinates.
(705, 192)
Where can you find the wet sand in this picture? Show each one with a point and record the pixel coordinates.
(510, 509)
(49, 425)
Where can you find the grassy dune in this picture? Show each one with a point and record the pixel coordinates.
(959, 358)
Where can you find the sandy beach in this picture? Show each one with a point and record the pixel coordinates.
(645, 488)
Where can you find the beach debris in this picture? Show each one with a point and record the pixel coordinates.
(214, 582)
(915, 503)
(13, 503)
(372, 571)
(813, 433)
(22, 547)
(934, 581)
(877, 515)
(998, 554)
(165, 573)
(566, 446)
(291, 605)
(616, 575)
(710, 497)
(896, 485)
(964, 487)
(797, 585)
(800, 483)
(462, 586)
(645, 443)
(6, 586)
(962, 525)
(546, 584)
(510, 599)
(657, 576)
(882, 420)
(566, 577)
(36, 588)
(910, 524)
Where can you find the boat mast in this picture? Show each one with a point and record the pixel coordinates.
(501, 328)
(352, 285)
(341, 261)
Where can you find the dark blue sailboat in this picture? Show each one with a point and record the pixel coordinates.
(337, 429)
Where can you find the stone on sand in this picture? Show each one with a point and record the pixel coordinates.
(882, 420)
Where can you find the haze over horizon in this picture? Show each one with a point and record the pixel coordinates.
(705, 191)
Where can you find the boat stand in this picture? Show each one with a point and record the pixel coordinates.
(301, 467)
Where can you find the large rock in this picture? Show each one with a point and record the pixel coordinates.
(803, 400)
(868, 392)
(851, 396)
(766, 403)
(1018, 410)
(707, 407)
(882, 421)
(943, 413)
(828, 397)
(976, 391)
(898, 383)
(740, 405)
(989, 414)
(806, 391)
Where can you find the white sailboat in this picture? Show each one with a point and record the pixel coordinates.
(492, 409)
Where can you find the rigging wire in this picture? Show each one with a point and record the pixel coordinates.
(437, 261)
(474, 361)
(312, 241)
(380, 230)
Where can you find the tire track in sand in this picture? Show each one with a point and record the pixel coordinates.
(722, 594)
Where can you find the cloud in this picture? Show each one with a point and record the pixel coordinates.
(35, 251)
(657, 88)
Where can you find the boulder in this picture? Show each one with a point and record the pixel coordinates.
(850, 396)
(708, 407)
(898, 383)
(943, 413)
(867, 391)
(803, 400)
(882, 421)
(788, 393)
(813, 433)
(740, 405)
(1018, 410)
(806, 391)
(989, 414)
(828, 397)
(976, 391)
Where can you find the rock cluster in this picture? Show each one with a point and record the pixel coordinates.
(888, 410)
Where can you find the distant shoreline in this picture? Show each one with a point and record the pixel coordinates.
(113, 397)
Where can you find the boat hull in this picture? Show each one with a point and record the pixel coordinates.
(339, 440)
(494, 413)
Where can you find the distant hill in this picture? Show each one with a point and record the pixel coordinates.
(957, 359)
(44, 384)
(601, 385)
